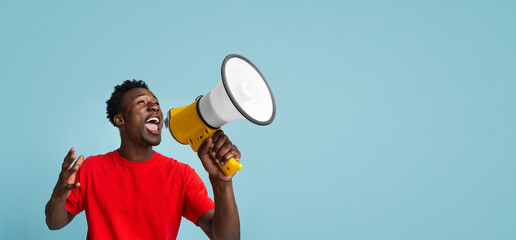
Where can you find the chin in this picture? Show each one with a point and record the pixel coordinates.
(153, 141)
(157, 143)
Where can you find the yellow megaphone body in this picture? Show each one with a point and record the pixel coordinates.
(242, 93)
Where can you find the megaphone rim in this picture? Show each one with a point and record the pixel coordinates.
(167, 120)
(235, 102)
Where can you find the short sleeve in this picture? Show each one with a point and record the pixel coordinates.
(75, 202)
(196, 200)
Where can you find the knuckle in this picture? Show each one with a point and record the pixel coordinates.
(223, 151)
(216, 135)
(217, 147)
(224, 138)
(69, 172)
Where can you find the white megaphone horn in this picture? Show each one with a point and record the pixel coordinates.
(242, 93)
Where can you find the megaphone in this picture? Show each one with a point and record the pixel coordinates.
(242, 93)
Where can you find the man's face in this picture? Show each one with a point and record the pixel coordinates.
(143, 119)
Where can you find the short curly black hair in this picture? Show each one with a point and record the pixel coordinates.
(114, 104)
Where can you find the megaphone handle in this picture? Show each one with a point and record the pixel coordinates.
(231, 167)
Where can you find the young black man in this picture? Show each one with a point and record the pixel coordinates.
(137, 193)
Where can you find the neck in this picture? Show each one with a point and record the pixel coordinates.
(134, 152)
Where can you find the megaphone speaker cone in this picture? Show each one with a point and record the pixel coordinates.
(242, 93)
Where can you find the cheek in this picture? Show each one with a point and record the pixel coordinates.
(134, 119)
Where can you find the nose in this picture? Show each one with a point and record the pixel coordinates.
(153, 107)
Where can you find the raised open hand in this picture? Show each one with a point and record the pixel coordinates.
(65, 184)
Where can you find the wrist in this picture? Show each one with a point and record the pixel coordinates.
(220, 184)
(57, 203)
(57, 196)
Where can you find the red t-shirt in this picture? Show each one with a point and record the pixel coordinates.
(137, 200)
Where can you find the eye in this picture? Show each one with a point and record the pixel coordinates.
(157, 103)
(141, 101)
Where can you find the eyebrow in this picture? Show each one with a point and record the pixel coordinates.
(143, 94)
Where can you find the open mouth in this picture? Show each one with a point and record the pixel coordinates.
(152, 124)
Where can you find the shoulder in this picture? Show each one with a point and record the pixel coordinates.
(170, 162)
(174, 165)
(101, 157)
(94, 160)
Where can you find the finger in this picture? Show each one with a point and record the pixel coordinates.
(236, 154)
(232, 153)
(68, 163)
(219, 142)
(70, 152)
(72, 186)
(76, 166)
(68, 160)
(223, 151)
(217, 134)
(78, 163)
(205, 146)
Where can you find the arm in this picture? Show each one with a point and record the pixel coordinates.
(222, 222)
(55, 212)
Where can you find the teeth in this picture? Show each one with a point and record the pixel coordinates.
(155, 119)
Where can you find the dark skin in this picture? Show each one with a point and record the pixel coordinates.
(138, 105)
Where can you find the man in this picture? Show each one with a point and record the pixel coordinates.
(137, 193)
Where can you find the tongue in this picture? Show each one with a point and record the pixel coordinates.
(151, 126)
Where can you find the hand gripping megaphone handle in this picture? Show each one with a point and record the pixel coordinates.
(231, 167)
(190, 129)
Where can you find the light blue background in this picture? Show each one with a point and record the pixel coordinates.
(395, 119)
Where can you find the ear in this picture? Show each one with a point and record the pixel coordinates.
(119, 120)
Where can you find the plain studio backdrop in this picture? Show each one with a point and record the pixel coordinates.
(395, 119)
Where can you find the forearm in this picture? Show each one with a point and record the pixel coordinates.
(56, 215)
(226, 222)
